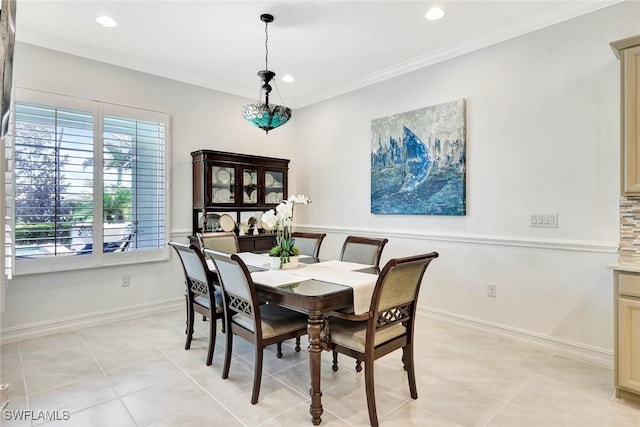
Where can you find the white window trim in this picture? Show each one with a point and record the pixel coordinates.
(99, 259)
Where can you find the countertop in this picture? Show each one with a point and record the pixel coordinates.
(631, 265)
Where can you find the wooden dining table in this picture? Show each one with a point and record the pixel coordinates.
(312, 297)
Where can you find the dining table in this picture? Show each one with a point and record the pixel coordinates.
(314, 287)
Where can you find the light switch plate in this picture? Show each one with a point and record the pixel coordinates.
(543, 220)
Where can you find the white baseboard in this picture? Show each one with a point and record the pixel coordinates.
(598, 356)
(73, 323)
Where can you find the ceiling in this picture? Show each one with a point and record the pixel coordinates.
(330, 47)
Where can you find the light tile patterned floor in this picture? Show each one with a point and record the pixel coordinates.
(137, 373)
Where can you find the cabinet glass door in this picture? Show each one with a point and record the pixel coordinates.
(274, 187)
(249, 186)
(223, 181)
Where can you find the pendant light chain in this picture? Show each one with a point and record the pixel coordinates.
(266, 46)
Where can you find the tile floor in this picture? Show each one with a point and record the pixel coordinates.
(137, 373)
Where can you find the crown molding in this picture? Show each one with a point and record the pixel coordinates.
(557, 15)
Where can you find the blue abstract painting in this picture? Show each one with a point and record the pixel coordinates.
(418, 161)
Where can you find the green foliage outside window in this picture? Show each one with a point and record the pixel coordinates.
(117, 204)
(42, 233)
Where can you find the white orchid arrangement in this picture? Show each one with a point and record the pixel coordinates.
(281, 219)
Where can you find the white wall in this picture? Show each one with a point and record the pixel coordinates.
(201, 118)
(542, 137)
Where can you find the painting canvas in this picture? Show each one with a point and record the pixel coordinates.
(418, 161)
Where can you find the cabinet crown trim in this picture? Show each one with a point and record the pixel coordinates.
(249, 158)
(619, 45)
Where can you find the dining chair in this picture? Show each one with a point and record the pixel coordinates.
(363, 250)
(260, 324)
(308, 243)
(386, 327)
(202, 295)
(223, 241)
(228, 242)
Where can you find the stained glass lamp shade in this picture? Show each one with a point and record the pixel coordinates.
(264, 115)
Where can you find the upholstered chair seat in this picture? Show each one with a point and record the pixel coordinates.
(204, 301)
(275, 320)
(353, 334)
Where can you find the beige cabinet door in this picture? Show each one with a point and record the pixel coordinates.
(631, 120)
(629, 344)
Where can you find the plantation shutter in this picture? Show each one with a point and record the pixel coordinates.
(9, 208)
(134, 170)
(90, 183)
(53, 180)
(6, 209)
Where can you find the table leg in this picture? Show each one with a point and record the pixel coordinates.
(314, 329)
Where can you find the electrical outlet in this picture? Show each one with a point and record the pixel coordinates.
(126, 280)
(492, 290)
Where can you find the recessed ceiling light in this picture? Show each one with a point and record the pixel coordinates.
(434, 14)
(106, 21)
(288, 78)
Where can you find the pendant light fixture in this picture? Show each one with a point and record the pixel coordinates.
(264, 115)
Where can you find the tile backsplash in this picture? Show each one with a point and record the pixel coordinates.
(629, 227)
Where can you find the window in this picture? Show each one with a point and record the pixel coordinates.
(90, 183)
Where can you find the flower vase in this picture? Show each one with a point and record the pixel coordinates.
(275, 263)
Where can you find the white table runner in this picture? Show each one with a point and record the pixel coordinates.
(249, 258)
(257, 260)
(342, 265)
(275, 278)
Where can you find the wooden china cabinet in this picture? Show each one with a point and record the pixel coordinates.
(238, 185)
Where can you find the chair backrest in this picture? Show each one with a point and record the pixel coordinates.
(308, 243)
(396, 292)
(195, 269)
(220, 241)
(363, 250)
(239, 292)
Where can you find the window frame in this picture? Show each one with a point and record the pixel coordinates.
(97, 258)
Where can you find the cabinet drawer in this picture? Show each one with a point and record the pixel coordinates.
(246, 245)
(629, 284)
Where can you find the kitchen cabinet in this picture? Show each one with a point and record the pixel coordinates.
(627, 334)
(628, 51)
